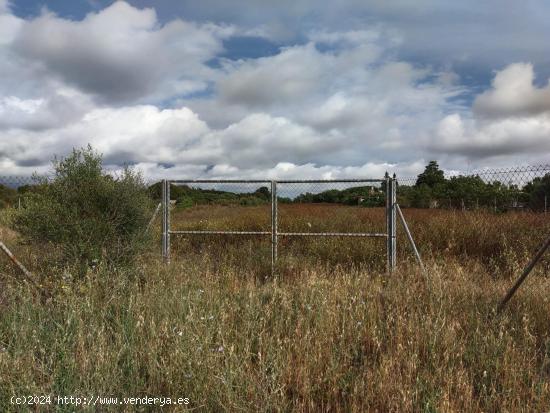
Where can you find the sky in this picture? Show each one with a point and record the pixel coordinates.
(297, 89)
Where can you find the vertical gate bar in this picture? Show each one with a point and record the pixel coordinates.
(274, 237)
(388, 226)
(393, 223)
(168, 222)
(163, 201)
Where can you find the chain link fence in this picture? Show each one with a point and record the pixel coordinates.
(14, 181)
(321, 213)
(499, 190)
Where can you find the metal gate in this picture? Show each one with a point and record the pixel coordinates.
(390, 210)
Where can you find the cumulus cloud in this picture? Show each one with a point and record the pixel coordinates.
(169, 136)
(54, 111)
(122, 53)
(340, 104)
(513, 93)
(473, 35)
(177, 142)
(281, 171)
(480, 140)
(510, 119)
(301, 72)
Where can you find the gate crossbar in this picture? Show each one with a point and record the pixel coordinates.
(390, 235)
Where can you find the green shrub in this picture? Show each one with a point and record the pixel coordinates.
(8, 196)
(90, 215)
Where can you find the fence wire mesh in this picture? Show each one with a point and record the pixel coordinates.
(278, 212)
(205, 206)
(331, 208)
(502, 189)
(15, 182)
(333, 222)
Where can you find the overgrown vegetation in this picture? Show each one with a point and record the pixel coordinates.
(8, 196)
(332, 333)
(86, 214)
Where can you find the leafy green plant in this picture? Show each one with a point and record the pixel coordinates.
(90, 215)
(8, 196)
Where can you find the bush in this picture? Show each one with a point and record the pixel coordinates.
(8, 196)
(538, 189)
(90, 215)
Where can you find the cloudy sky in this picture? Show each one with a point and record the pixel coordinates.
(265, 89)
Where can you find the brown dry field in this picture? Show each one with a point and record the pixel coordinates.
(332, 332)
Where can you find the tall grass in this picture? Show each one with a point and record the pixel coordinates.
(326, 335)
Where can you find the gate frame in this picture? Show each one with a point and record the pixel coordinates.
(390, 207)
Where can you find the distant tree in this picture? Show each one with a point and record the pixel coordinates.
(176, 191)
(421, 196)
(536, 190)
(263, 192)
(431, 176)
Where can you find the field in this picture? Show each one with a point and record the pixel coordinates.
(332, 332)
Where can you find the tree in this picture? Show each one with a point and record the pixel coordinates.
(263, 192)
(431, 176)
(537, 190)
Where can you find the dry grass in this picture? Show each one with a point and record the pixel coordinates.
(332, 333)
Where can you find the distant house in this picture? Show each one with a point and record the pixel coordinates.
(516, 205)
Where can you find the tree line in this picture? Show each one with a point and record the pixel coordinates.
(431, 190)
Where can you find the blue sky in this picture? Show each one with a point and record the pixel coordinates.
(277, 89)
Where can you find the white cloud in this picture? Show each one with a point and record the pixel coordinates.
(257, 146)
(281, 171)
(511, 119)
(274, 80)
(339, 105)
(513, 93)
(57, 110)
(510, 136)
(9, 24)
(122, 53)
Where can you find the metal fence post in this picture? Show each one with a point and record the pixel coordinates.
(163, 202)
(409, 236)
(524, 274)
(274, 237)
(391, 224)
(166, 220)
